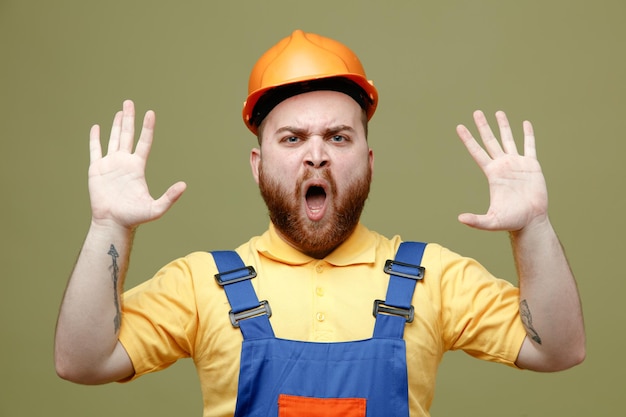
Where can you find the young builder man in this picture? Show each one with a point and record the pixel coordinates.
(321, 273)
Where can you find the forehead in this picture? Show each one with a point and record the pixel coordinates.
(315, 110)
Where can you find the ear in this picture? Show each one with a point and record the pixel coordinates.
(255, 161)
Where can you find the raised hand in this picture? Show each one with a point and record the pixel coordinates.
(517, 189)
(117, 184)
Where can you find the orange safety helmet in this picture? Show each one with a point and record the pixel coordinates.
(302, 59)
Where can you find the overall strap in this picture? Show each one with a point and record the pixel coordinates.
(393, 313)
(247, 313)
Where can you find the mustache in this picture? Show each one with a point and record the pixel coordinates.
(312, 174)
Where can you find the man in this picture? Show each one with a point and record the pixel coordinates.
(319, 269)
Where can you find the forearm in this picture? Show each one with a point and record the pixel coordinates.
(549, 301)
(90, 316)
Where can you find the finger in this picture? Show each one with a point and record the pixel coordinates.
(144, 144)
(163, 203)
(127, 134)
(530, 148)
(475, 150)
(489, 139)
(469, 219)
(477, 221)
(114, 138)
(95, 149)
(506, 135)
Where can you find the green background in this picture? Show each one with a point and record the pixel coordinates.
(66, 65)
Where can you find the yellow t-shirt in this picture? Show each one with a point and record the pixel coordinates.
(182, 312)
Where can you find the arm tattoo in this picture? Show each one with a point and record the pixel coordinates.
(527, 320)
(116, 273)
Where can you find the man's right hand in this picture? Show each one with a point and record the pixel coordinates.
(117, 184)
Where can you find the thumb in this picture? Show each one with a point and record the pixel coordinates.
(169, 197)
(473, 220)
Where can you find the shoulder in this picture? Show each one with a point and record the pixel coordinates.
(181, 276)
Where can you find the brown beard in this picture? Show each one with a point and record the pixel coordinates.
(315, 238)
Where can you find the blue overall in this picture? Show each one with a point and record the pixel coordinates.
(287, 378)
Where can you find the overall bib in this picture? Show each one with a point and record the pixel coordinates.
(288, 378)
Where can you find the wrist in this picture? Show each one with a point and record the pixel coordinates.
(536, 227)
(109, 226)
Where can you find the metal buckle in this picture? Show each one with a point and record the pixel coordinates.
(417, 272)
(381, 307)
(223, 279)
(263, 308)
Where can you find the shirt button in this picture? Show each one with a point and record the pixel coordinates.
(320, 317)
(319, 268)
(319, 291)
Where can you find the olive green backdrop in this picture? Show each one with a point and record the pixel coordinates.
(66, 65)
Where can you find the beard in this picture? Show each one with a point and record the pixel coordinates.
(315, 238)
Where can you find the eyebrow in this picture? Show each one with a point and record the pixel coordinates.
(306, 132)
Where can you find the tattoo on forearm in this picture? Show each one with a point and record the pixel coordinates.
(115, 270)
(527, 320)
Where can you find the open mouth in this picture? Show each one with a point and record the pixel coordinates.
(315, 198)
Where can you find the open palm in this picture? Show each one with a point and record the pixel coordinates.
(517, 189)
(117, 183)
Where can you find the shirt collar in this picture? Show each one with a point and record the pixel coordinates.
(359, 248)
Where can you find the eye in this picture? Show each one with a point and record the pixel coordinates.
(291, 139)
(338, 138)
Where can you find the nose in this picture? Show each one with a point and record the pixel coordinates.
(317, 155)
